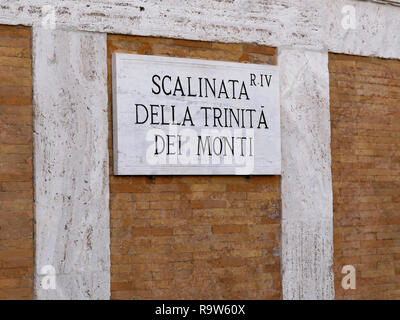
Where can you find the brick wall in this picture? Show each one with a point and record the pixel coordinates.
(194, 237)
(365, 115)
(16, 190)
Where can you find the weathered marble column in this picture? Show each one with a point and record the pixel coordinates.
(71, 164)
(307, 215)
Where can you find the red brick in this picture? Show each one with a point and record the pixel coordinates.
(364, 93)
(186, 237)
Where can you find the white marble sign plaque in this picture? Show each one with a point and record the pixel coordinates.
(175, 116)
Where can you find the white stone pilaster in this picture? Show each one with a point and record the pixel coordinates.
(72, 231)
(307, 213)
